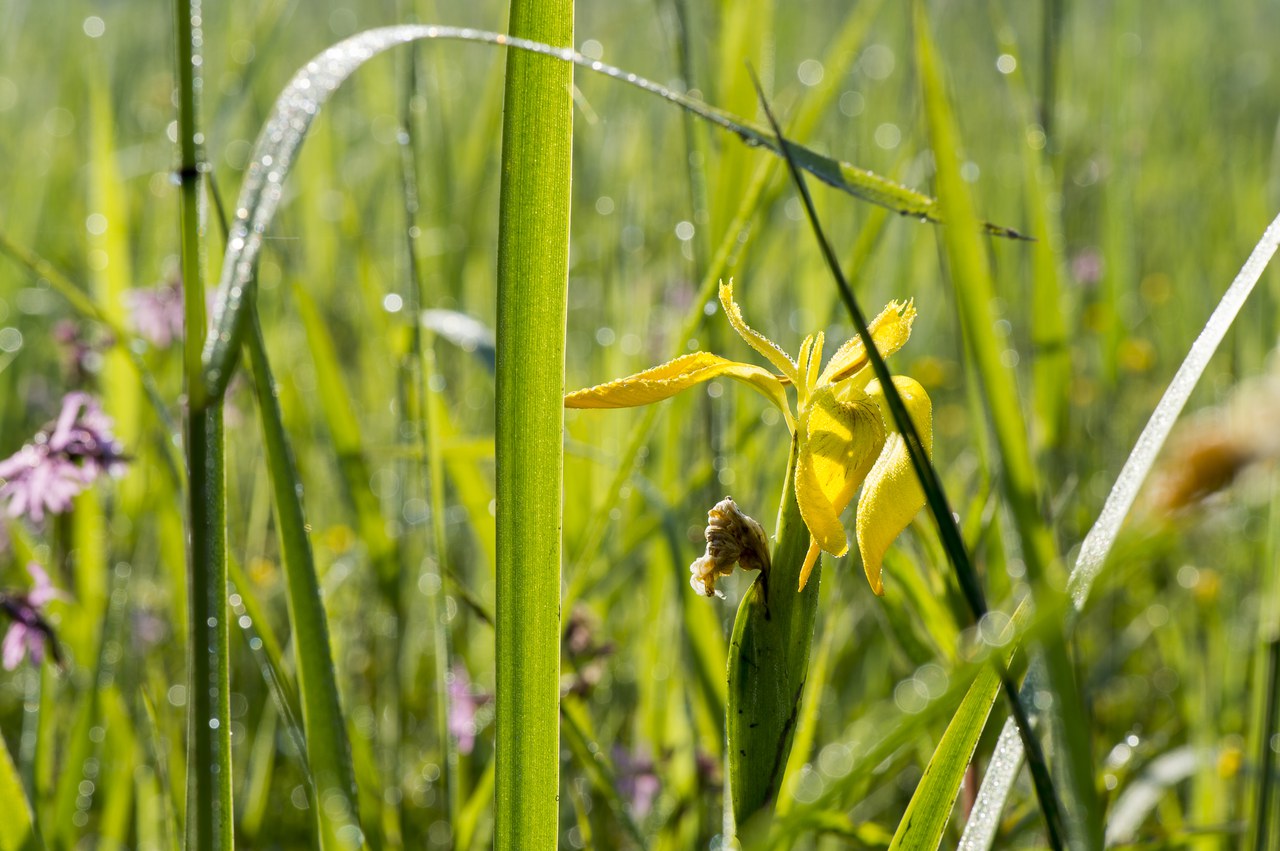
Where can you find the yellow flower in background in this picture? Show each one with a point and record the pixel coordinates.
(842, 424)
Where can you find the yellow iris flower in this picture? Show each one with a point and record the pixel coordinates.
(846, 435)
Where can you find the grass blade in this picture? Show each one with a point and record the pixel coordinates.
(282, 136)
(925, 820)
(533, 269)
(328, 749)
(1102, 535)
(19, 832)
(971, 274)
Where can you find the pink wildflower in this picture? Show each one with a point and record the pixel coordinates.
(29, 632)
(61, 461)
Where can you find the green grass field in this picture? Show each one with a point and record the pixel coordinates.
(1135, 145)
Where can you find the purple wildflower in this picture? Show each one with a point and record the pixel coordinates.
(157, 314)
(61, 461)
(637, 780)
(463, 703)
(29, 631)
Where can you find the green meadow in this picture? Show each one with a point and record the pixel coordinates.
(345, 569)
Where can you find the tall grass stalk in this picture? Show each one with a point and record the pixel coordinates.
(533, 263)
(208, 812)
(328, 749)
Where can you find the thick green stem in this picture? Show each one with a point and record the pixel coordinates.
(209, 821)
(209, 815)
(533, 264)
(768, 664)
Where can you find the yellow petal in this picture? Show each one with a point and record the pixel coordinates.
(890, 330)
(662, 382)
(839, 441)
(762, 344)
(892, 494)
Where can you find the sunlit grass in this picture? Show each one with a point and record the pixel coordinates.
(1153, 181)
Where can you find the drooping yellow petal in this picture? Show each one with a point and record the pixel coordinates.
(662, 382)
(890, 330)
(892, 494)
(839, 441)
(762, 344)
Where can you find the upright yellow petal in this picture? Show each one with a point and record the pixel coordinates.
(892, 494)
(762, 344)
(662, 382)
(839, 441)
(890, 330)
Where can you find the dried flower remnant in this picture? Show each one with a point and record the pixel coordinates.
(62, 460)
(733, 538)
(1209, 452)
(29, 633)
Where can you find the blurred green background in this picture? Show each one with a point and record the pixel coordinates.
(1134, 142)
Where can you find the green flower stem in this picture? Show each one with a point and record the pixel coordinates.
(208, 812)
(533, 268)
(768, 663)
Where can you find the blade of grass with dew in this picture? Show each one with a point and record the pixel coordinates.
(328, 749)
(298, 104)
(935, 497)
(533, 265)
(1097, 544)
(974, 293)
(208, 811)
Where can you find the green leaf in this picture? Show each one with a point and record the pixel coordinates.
(328, 749)
(925, 820)
(19, 833)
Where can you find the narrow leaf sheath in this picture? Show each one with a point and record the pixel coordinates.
(768, 663)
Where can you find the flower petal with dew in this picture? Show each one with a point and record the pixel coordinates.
(892, 494)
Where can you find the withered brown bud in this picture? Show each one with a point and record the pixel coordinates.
(732, 538)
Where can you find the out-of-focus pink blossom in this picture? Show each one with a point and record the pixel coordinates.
(157, 314)
(63, 459)
(463, 703)
(1086, 266)
(29, 632)
(637, 780)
